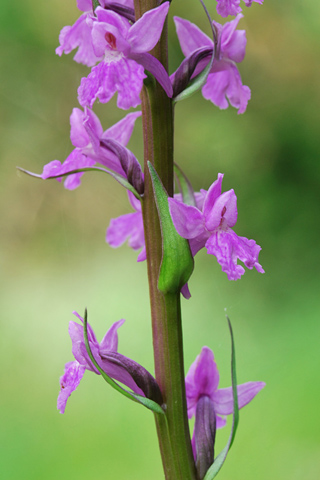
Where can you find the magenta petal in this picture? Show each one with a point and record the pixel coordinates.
(156, 68)
(201, 379)
(78, 35)
(84, 5)
(145, 32)
(78, 135)
(100, 33)
(122, 75)
(223, 212)
(233, 43)
(220, 422)
(228, 248)
(125, 227)
(223, 398)
(121, 131)
(213, 193)
(185, 291)
(113, 19)
(73, 373)
(110, 340)
(190, 36)
(142, 255)
(228, 7)
(188, 220)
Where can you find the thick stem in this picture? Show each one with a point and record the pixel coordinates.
(173, 431)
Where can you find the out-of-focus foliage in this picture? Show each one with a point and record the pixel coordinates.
(53, 257)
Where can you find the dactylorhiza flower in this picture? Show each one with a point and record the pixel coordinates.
(211, 227)
(86, 135)
(79, 34)
(224, 82)
(115, 365)
(122, 50)
(210, 404)
(232, 7)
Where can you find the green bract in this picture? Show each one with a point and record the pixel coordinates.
(177, 262)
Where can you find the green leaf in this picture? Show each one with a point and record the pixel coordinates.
(177, 262)
(197, 82)
(220, 459)
(185, 187)
(150, 404)
(119, 178)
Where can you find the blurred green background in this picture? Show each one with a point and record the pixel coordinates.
(54, 258)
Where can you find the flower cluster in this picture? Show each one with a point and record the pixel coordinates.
(116, 46)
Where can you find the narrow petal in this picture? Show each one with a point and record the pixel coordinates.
(73, 373)
(223, 398)
(185, 291)
(122, 131)
(156, 68)
(110, 340)
(213, 193)
(145, 32)
(190, 36)
(233, 43)
(188, 220)
(78, 135)
(223, 212)
(114, 19)
(142, 255)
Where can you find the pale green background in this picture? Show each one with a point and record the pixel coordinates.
(54, 258)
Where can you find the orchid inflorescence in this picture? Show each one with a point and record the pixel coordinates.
(115, 39)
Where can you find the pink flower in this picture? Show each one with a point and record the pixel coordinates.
(211, 227)
(122, 49)
(224, 82)
(232, 7)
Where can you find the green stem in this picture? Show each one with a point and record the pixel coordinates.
(172, 429)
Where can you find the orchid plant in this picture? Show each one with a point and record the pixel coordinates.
(125, 44)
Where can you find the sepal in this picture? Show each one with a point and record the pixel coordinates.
(147, 402)
(177, 262)
(128, 161)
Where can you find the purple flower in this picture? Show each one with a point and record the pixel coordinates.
(115, 365)
(232, 7)
(224, 82)
(123, 49)
(211, 404)
(86, 135)
(210, 227)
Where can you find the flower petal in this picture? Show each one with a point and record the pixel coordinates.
(228, 248)
(228, 7)
(223, 212)
(201, 379)
(188, 220)
(156, 68)
(78, 35)
(110, 340)
(122, 75)
(213, 193)
(145, 32)
(190, 36)
(233, 43)
(223, 398)
(122, 131)
(73, 373)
